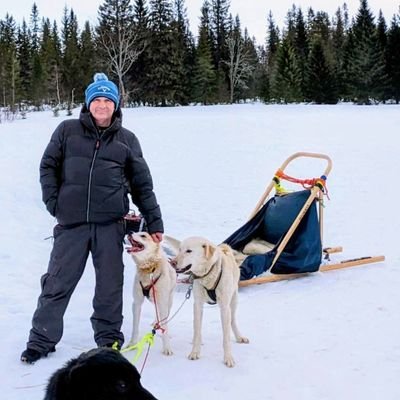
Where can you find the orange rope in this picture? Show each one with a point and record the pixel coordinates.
(306, 183)
(157, 325)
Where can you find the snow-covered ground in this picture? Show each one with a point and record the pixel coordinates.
(329, 336)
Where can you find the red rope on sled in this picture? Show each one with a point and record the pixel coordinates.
(306, 183)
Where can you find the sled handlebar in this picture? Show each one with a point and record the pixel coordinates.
(309, 155)
(282, 168)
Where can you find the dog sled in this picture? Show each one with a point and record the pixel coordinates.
(290, 226)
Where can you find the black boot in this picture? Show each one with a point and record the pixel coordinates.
(30, 356)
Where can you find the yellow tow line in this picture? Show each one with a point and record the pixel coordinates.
(148, 338)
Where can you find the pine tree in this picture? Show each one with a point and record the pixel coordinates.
(141, 17)
(268, 65)
(319, 25)
(291, 61)
(301, 46)
(219, 22)
(73, 84)
(338, 45)
(346, 92)
(50, 59)
(382, 41)
(24, 54)
(250, 91)
(37, 87)
(368, 76)
(272, 38)
(89, 62)
(35, 28)
(45, 59)
(286, 86)
(321, 87)
(138, 71)
(381, 32)
(9, 67)
(57, 62)
(161, 80)
(393, 58)
(183, 52)
(261, 75)
(291, 24)
(204, 81)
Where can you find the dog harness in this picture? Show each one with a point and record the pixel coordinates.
(146, 289)
(211, 292)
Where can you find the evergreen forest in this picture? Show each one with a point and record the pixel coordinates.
(148, 49)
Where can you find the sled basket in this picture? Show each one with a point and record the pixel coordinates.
(293, 224)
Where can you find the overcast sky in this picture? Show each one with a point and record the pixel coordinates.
(253, 13)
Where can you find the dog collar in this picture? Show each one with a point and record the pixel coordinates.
(203, 276)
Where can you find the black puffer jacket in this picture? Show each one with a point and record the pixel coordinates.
(86, 176)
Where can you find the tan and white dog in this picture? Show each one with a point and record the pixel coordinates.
(155, 279)
(215, 280)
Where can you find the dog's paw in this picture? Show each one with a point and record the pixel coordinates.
(242, 339)
(167, 352)
(229, 361)
(194, 355)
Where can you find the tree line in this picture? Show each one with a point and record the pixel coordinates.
(146, 46)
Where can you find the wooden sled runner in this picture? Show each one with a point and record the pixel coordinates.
(355, 262)
(281, 262)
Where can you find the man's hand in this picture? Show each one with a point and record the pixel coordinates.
(157, 236)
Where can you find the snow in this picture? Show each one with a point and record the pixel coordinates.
(328, 336)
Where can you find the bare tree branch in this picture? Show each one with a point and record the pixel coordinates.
(240, 66)
(121, 48)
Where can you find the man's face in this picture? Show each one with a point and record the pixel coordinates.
(102, 110)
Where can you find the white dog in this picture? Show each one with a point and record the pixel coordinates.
(216, 278)
(155, 279)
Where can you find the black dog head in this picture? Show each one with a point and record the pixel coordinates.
(99, 374)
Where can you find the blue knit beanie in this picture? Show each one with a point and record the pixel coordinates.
(101, 87)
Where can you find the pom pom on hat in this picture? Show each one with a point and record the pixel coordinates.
(101, 87)
(100, 76)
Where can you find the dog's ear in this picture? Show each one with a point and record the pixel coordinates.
(209, 250)
(171, 243)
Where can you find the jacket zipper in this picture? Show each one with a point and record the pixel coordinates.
(96, 149)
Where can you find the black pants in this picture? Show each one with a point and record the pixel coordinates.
(67, 262)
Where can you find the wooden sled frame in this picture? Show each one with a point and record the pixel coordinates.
(316, 193)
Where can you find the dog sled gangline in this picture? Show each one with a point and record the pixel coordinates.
(292, 222)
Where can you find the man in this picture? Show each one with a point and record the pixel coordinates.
(86, 172)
